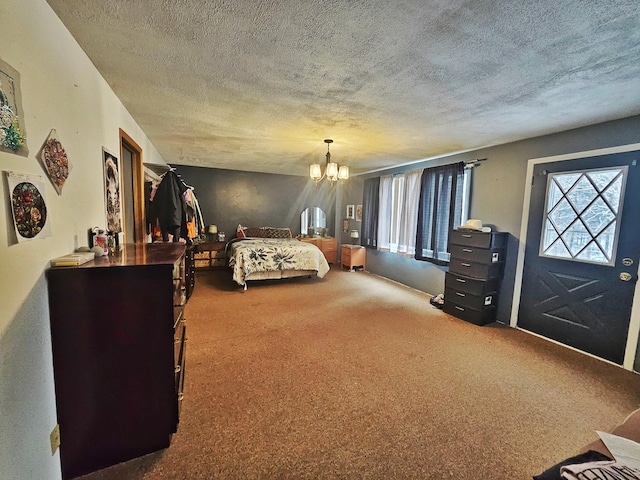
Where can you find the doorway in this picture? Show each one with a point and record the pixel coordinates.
(577, 266)
(133, 189)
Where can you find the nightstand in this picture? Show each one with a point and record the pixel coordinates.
(210, 255)
(353, 256)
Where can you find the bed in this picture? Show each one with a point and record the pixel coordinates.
(270, 253)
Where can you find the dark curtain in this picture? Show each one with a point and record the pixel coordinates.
(370, 205)
(439, 212)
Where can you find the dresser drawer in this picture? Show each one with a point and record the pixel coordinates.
(478, 239)
(474, 269)
(478, 255)
(477, 317)
(201, 255)
(464, 299)
(329, 244)
(474, 286)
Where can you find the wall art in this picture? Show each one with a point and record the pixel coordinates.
(351, 212)
(13, 135)
(55, 161)
(28, 206)
(358, 213)
(112, 191)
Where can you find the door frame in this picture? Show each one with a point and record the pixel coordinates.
(137, 168)
(634, 323)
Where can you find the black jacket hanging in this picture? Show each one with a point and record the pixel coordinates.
(169, 206)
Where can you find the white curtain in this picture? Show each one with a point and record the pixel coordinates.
(397, 207)
(409, 215)
(385, 212)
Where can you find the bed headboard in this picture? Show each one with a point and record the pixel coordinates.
(263, 232)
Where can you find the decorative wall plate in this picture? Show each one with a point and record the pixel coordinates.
(55, 161)
(28, 206)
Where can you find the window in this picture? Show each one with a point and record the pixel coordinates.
(582, 215)
(398, 212)
(442, 207)
(412, 213)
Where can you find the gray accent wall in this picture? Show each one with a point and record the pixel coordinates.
(231, 197)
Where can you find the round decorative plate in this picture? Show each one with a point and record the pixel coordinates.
(29, 209)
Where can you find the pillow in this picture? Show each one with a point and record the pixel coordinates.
(240, 231)
(267, 232)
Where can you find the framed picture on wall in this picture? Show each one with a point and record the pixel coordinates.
(13, 136)
(351, 211)
(112, 191)
(359, 213)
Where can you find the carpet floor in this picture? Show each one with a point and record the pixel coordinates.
(355, 376)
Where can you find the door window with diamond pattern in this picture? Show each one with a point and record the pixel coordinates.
(582, 215)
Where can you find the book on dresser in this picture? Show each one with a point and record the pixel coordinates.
(72, 259)
(475, 273)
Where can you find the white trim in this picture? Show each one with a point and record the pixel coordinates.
(634, 324)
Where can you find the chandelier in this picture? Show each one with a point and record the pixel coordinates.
(332, 171)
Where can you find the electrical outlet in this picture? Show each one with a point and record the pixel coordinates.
(54, 437)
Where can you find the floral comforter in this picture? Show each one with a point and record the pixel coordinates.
(249, 255)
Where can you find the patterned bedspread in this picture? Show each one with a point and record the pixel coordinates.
(249, 255)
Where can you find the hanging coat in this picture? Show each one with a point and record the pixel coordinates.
(169, 206)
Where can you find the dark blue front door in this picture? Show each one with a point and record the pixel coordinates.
(582, 252)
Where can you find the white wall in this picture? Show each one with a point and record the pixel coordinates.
(62, 90)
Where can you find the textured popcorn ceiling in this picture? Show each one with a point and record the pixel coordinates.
(258, 84)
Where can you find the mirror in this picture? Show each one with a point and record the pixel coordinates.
(313, 221)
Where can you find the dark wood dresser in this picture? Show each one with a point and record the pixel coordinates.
(118, 336)
(475, 273)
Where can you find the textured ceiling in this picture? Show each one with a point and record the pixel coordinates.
(258, 85)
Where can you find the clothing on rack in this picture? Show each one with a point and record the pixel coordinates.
(169, 207)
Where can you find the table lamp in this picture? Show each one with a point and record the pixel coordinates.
(354, 236)
(212, 230)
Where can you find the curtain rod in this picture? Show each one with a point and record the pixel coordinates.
(473, 163)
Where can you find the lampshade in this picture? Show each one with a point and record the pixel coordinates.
(355, 234)
(343, 173)
(213, 229)
(315, 172)
(332, 171)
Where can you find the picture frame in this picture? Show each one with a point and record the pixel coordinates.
(351, 211)
(13, 134)
(345, 225)
(358, 213)
(112, 191)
